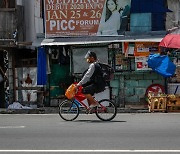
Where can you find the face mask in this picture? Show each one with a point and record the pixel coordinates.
(88, 60)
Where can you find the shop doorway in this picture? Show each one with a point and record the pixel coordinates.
(60, 77)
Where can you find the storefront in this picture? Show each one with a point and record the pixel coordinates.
(133, 76)
(127, 56)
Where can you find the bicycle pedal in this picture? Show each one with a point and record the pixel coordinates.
(92, 110)
(87, 111)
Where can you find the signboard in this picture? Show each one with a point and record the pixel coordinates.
(141, 63)
(128, 48)
(85, 17)
(145, 48)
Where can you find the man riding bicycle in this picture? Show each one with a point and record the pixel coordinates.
(93, 81)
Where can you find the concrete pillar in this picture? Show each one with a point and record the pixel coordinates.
(121, 91)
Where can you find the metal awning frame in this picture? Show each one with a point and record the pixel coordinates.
(87, 40)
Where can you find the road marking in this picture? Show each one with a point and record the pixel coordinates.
(89, 151)
(12, 127)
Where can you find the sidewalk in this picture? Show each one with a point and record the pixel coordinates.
(54, 110)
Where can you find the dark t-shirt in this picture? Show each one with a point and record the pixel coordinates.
(96, 79)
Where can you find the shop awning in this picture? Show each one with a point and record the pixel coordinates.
(93, 40)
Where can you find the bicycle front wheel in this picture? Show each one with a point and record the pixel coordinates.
(68, 110)
(106, 110)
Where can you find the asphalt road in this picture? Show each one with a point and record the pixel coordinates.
(127, 133)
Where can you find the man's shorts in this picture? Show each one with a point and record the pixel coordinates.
(89, 89)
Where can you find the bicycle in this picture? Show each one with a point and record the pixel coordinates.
(69, 109)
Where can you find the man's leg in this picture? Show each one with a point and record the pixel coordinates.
(91, 100)
(89, 91)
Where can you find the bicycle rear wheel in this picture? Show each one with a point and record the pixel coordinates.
(107, 110)
(68, 110)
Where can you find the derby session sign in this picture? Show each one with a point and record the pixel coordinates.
(72, 17)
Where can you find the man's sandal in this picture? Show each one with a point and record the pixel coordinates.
(92, 108)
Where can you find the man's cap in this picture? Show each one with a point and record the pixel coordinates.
(90, 54)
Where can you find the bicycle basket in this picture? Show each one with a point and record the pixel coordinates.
(71, 91)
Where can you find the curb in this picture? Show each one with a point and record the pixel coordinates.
(54, 110)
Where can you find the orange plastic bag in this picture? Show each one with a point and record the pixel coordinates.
(71, 91)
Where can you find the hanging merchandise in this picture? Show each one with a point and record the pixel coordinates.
(62, 57)
(66, 49)
(161, 64)
(1, 78)
(2, 75)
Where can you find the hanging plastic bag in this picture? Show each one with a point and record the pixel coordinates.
(71, 91)
(161, 64)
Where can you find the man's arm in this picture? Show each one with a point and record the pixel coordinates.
(88, 75)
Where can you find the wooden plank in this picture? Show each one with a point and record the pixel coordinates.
(174, 105)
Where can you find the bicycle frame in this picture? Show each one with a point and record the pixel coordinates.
(79, 97)
(70, 109)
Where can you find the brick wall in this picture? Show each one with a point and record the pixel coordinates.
(130, 88)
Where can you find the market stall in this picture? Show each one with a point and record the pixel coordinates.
(169, 102)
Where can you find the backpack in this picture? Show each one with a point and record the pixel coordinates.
(108, 71)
